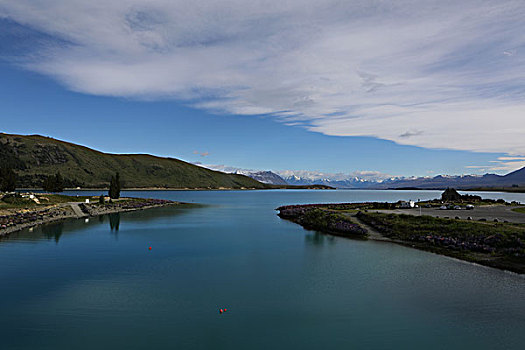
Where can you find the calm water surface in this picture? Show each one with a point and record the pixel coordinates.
(88, 285)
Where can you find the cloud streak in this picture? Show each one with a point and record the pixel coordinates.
(506, 164)
(437, 74)
(202, 154)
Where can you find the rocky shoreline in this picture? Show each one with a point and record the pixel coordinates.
(74, 210)
(313, 218)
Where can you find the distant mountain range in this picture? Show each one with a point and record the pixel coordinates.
(351, 182)
(514, 179)
(361, 179)
(35, 157)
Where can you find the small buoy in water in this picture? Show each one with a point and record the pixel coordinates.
(221, 311)
(149, 248)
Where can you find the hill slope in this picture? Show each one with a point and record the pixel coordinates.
(35, 157)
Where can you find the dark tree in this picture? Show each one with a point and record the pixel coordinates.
(59, 183)
(54, 183)
(49, 184)
(8, 179)
(114, 187)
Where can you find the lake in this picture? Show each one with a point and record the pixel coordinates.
(96, 284)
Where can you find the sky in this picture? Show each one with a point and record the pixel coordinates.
(412, 87)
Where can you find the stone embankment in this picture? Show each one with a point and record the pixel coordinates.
(314, 218)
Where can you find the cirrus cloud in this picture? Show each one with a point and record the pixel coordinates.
(437, 74)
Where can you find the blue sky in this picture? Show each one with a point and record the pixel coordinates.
(406, 90)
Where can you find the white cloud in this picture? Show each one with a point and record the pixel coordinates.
(511, 158)
(439, 74)
(503, 165)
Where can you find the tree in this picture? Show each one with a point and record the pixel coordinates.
(59, 182)
(8, 179)
(114, 187)
(54, 183)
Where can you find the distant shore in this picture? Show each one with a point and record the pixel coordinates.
(471, 189)
(270, 187)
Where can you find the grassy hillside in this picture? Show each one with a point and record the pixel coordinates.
(35, 157)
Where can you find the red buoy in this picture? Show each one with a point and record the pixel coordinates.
(221, 311)
(149, 248)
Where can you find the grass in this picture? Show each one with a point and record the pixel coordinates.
(498, 245)
(405, 226)
(519, 210)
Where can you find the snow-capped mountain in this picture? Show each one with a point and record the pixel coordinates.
(266, 177)
(361, 179)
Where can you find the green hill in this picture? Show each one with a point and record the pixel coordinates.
(35, 157)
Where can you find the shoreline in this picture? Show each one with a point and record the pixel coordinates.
(78, 210)
(491, 244)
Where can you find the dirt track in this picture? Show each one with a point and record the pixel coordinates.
(490, 212)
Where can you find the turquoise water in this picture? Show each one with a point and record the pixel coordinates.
(88, 285)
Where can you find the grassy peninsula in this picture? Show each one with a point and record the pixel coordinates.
(490, 243)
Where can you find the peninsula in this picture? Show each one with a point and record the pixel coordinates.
(487, 232)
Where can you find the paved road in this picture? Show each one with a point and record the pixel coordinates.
(500, 212)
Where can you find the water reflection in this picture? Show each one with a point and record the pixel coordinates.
(114, 221)
(53, 231)
(57, 230)
(318, 238)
